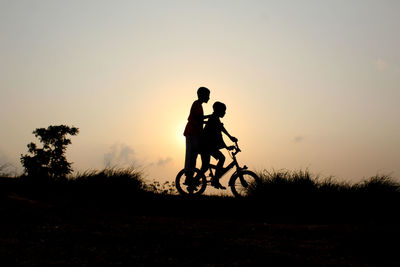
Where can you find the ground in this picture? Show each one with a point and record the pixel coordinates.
(70, 228)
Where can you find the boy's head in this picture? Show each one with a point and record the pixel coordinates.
(219, 109)
(203, 94)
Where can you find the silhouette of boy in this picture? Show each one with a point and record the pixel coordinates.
(193, 132)
(212, 142)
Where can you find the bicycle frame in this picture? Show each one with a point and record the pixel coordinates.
(234, 163)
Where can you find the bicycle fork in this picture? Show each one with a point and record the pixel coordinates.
(240, 175)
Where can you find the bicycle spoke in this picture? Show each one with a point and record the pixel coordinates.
(195, 186)
(243, 183)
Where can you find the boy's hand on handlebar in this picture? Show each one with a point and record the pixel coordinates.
(230, 147)
(234, 139)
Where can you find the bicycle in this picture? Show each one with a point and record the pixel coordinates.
(240, 183)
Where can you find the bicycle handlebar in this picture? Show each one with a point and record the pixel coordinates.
(237, 147)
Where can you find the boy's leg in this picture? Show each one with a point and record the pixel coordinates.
(192, 146)
(220, 165)
(219, 169)
(205, 161)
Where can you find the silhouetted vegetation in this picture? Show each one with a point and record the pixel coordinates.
(108, 185)
(49, 162)
(112, 216)
(292, 184)
(299, 195)
(110, 176)
(165, 188)
(378, 184)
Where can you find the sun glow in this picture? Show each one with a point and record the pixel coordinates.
(178, 137)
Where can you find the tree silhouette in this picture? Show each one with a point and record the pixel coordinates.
(49, 161)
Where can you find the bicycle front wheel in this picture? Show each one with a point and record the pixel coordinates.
(243, 182)
(194, 187)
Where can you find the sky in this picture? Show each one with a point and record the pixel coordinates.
(307, 84)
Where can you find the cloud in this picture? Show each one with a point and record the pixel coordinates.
(161, 162)
(165, 161)
(384, 65)
(119, 155)
(6, 167)
(298, 139)
(264, 17)
(3, 158)
(381, 64)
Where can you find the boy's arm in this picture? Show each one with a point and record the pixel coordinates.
(233, 139)
(205, 117)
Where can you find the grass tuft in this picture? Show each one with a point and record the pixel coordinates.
(111, 177)
(380, 184)
(165, 188)
(285, 183)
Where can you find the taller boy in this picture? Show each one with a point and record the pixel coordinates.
(193, 131)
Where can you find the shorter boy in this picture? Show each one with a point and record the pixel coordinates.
(212, 142)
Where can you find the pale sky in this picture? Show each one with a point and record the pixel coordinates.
(307, 84)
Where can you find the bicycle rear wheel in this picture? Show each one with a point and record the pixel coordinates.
(243, 182)
(191, 189)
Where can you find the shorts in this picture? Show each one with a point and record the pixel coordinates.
(192, 150)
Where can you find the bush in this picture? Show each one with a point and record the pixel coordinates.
(49, 161)
(284, 183)
(301, 183)
(110, 176)
(378, 184)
